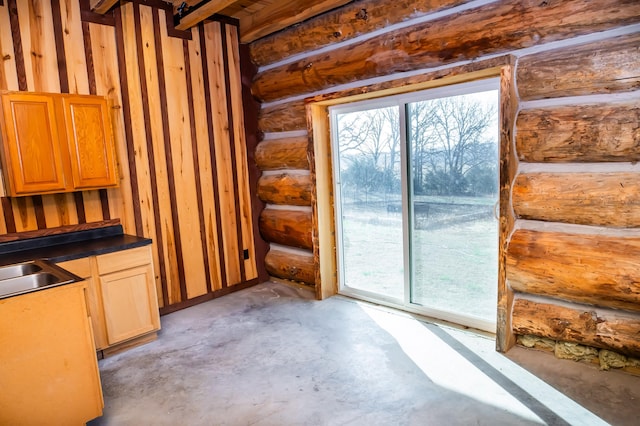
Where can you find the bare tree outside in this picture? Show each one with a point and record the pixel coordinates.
(369, 145)
(452, 154)
(451, 146)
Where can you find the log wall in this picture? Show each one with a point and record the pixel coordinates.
(177, 114)
(569, 204)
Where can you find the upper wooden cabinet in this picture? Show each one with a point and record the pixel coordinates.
(33, 161)
(56, 143)
(93, 161)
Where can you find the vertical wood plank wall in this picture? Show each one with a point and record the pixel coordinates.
(177, 116)
(574, 136)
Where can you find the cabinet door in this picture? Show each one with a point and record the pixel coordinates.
(86, 268)
(130, 305)
(49, 371)
(93, 161)
(33, 157)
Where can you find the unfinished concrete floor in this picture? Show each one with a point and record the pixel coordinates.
(270, 355)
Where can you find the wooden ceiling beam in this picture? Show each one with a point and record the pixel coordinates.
(202, 12)
(281, 14)
(102, 6)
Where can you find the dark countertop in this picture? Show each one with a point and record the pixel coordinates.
(74, 245)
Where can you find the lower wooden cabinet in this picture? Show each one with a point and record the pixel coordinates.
(122, 295)
(128, 291)
(48, 367)
(84, 268)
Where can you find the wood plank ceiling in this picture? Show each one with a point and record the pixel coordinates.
(258, 18)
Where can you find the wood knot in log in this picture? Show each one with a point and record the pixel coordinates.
(590, 320)
(362, 15)
(559, 325)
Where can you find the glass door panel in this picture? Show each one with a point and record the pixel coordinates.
(416, 198)
(453, 164)
(369, 199)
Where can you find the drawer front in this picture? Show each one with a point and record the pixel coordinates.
(125, 259)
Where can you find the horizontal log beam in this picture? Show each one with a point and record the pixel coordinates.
(359, 17)
(606, 199)
(279, 154)
(281, 14)
(603, 67)
(101, 6)
(477, 70)
(287, 227)
(202, 12)
(285, 188)
(592, 269)
(579, 133)
(490, 29)
(606, 329)
(283, 118)
(290, 266)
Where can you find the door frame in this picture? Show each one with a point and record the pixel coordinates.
(320, 159)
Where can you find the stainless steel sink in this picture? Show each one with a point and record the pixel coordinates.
(30, 276)
(27, 282)
(18, 270)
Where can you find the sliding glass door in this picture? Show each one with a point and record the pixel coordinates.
(416, 185)
(370, 194)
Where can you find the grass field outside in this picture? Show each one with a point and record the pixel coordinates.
(454, 252)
